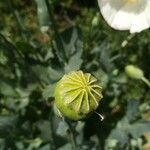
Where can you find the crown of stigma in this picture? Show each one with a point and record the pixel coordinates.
(77, 95)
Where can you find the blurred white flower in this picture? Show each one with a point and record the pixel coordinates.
(133, 15)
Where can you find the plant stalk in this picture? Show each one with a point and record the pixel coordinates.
(146, 81)
(71, 134)
(55, 28)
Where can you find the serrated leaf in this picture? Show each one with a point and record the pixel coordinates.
(139, 128)
(43, 15)
(7, 123)
(45, 130)
(120, 136)
(105, 58)
(62, 128)
(72, 42)
(132, 110)
(74, 63)
(48, 91)
(6, 88)
(102, 77)
(45, 147)
(46, 74)
(65, 147)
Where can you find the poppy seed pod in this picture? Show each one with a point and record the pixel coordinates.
(77, 95)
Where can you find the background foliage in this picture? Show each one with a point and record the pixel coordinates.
(40, 41)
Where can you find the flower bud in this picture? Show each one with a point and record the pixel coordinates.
(134, 72)
(77, 95)
(95, 21)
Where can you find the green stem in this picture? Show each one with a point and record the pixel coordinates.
(54, 26)
(71, 135)
(146, 81)
(52, 142)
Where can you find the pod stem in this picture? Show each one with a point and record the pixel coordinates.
(146, 81)
(53, 140)
(71, 134)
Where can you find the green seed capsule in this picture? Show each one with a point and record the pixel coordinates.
(95, 21)
(134, 72)
(77, 95)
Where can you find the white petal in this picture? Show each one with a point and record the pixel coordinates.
(147, 11)
(122, 20)
(139, 23)
(126, 15)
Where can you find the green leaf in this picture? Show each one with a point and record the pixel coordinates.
(45, 130)
(7, 47)
(132, 110)
(139, 128)
(25, 47)
(46, 74)
(72, 40)
(120, 136)
(45, 147)
(43, 15)
(7, 124)
(62, 128)
(102, 77)
(74, 63)
(6, 88)
(48, 91)
(105, 58)
(65, 147)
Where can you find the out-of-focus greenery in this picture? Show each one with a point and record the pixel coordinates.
(39, 43)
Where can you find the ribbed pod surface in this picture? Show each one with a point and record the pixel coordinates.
(77, 95)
